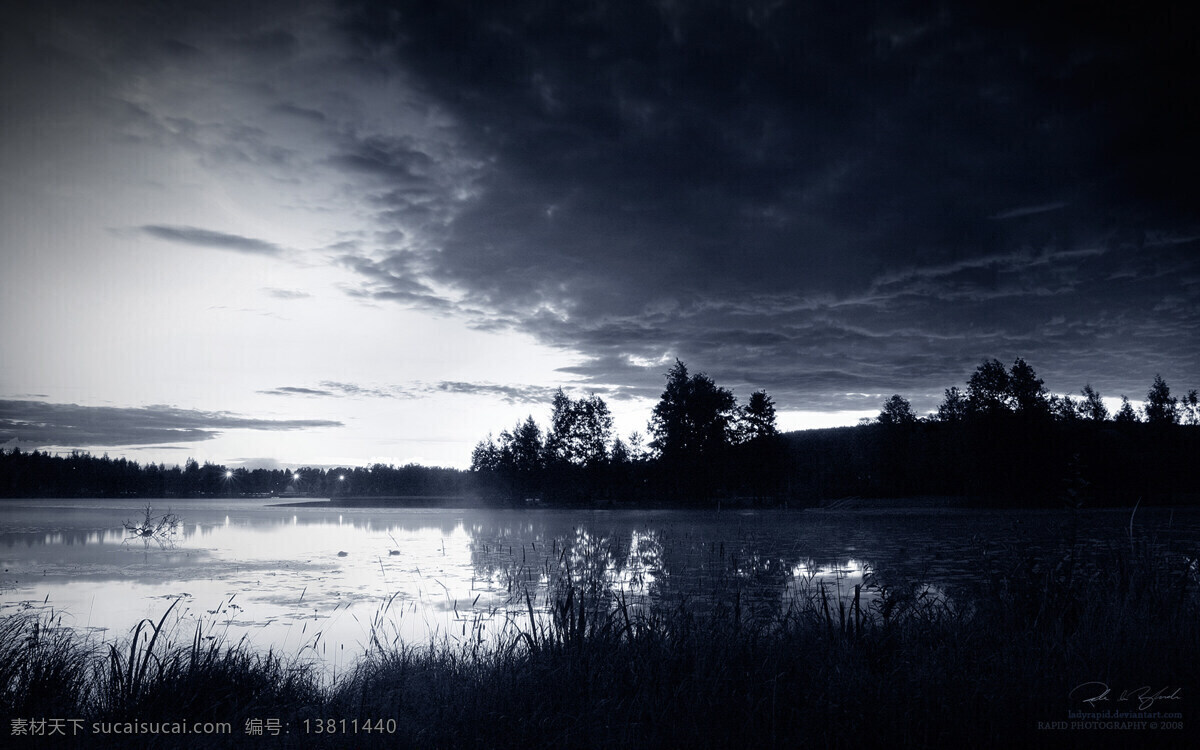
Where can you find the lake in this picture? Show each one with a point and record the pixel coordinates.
(321, 583)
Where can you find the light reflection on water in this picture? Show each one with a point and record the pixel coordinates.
(322, 583)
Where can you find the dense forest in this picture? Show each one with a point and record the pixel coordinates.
(1004, 440)
(39, 474)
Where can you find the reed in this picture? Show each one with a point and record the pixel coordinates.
(43, 666)
(896, 665)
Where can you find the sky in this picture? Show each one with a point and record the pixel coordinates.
(333, 233)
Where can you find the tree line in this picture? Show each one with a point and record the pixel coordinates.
(698, 434)
(993, 390)
(1004, 439)
(79, 474)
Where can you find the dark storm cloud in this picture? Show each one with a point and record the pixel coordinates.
(824, 202)
(396, 160)
(395, 279)
(71, 425)
(197, 237)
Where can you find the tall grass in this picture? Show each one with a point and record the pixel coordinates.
(204, 679)
(43, 667)
(49, 672)
(902, 667)
(907, 667)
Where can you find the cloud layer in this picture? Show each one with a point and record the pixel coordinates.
(817, 203)
(38, 423)
(512, 394)
(208, 238)
(827, 203)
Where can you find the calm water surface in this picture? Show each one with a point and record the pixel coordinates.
(322, 583)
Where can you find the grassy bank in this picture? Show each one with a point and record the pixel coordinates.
(907, 669)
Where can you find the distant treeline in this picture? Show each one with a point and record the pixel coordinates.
(1004, 440)
(40, 474)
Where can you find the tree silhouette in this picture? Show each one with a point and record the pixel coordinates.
(1064, 408)
(988, 389)
(593, 430)
(954, 407)
(1161, 406)
(620, 452)
(897, 411)
(520, 459)
(669, 423)
(758, 418)
(1190, 408)
(486, 456)
(1092, 407)
(1026, 391)
(1126, 414)
(637, 451)
(694, 416)
(580, 431)
(561, 424)
(521, 450)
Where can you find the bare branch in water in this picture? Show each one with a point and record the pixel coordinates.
(160, 529)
